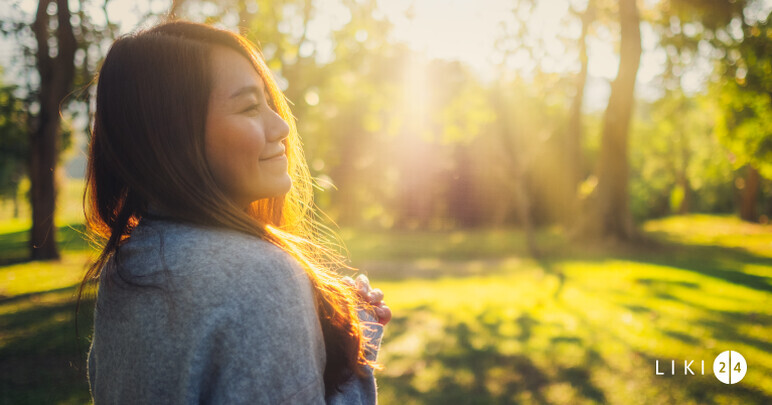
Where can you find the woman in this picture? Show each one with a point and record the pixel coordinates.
(213, 286)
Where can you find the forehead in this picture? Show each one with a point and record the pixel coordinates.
(232, 72)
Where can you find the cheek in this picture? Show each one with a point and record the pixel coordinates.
(234, 149)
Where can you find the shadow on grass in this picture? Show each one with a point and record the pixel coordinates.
(463, 363)
(682, 337)
(701, 389)
(719, 262)
(488, 357)
(722, 326)
(639, 369)
(726, 328)
(14, 246)
(41, 359)
(27, 296)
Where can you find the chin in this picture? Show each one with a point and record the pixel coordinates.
(279, 190)
(286, 186)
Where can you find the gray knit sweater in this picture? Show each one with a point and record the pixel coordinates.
(220, 318)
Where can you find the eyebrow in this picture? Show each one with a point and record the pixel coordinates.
(245, 90)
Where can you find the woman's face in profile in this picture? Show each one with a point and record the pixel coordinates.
(243, 134)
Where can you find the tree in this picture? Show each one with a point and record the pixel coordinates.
(59, 49)
(573, 144)
(738, 37)
(609, 214)
(56, 66)
(745, 122)
(677, 163)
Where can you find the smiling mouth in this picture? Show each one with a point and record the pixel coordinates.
(275, 156)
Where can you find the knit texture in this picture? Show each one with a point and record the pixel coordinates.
(190, 314)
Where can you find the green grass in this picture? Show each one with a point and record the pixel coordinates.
(583, 325)
(477, 321)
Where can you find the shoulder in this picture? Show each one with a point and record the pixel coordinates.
(186, 249)
(215, 272)
(213, 267)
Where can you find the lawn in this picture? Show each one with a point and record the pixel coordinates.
(585, 324)
(477, 321)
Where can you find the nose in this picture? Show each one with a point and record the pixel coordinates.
(279, 129)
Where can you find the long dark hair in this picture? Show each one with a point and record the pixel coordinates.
(147, 148)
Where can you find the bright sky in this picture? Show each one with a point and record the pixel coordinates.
(466, 30)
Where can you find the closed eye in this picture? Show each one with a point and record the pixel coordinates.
(253, 107)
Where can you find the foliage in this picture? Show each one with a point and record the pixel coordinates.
(14, 143)
(745, 120)
(691, 29)
(396, 139)
(94, 32)
(676, 158)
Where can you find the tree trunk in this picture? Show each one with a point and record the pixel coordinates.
(613, 218)
(749, 195)
(682, 176)
(573, 147)
(461, 200)
(56, 77)
(523, 202)
(767, 205)
(519, 164)
(15, 207)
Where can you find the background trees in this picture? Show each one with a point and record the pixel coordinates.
(14, 144)
(57, 52)
(398, 139)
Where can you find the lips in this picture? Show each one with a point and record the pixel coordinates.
(274, 155)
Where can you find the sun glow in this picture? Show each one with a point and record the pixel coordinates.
(475, 32)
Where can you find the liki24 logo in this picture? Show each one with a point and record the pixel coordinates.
(729, 367)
